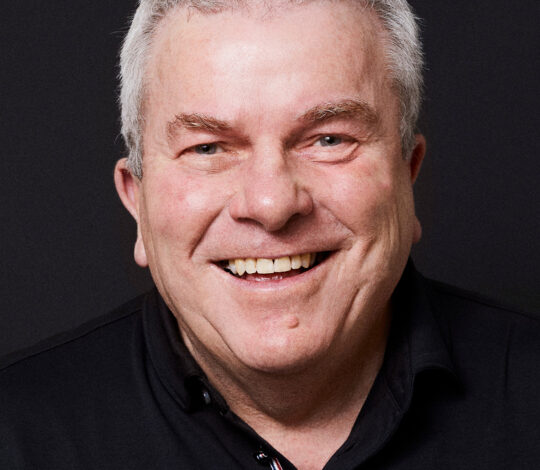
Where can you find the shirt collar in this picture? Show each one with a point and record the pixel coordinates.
(177, 369)
(415, 344)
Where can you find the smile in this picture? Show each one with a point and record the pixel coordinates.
(284, 266)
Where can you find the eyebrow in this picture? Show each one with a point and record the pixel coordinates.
(196, 121)
(317, 114)
(341, 109)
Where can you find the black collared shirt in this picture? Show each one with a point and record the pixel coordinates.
(459, 388)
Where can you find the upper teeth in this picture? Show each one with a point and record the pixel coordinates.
(268, 265)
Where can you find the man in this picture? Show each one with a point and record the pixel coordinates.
(271, 161)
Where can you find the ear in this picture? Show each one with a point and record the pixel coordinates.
(415, 162)
(417, 156)
(128, 188)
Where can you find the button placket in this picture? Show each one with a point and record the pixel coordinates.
(266, 460)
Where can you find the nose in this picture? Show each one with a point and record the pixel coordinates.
(269, 192)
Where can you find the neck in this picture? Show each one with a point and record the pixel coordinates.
(318, 404)
(303, 398)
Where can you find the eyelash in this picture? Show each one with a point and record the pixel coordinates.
(218, 147)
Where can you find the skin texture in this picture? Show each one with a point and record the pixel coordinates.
(269, 187)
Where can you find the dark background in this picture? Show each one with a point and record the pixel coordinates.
(66, 245)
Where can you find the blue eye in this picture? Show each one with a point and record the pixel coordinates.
(206, 149)
(330, 141)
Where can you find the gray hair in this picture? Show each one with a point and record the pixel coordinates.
(403, 51)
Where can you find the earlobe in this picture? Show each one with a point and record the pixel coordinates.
(139, 253)
(128, 187)
(417, 156)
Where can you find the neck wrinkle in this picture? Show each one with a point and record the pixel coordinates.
(305, 399)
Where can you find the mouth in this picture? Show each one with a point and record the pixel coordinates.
(272, 269)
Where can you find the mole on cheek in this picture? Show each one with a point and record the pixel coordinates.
(292, 322)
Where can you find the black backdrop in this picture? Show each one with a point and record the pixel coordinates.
(67, 242)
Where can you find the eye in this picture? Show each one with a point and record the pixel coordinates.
(330, 141)
(207, 149)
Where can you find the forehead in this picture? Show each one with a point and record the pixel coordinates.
(317, 43)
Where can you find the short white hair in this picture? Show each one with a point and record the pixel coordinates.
(403, 51)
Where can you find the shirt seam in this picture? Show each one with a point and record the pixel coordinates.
(480, 299)
(41, 347)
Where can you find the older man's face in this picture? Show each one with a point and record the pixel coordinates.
(274, 140)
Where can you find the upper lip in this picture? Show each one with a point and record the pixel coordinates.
(252, 245)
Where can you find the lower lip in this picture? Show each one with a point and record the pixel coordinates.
(276, 280)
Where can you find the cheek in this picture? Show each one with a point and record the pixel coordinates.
(361, 196)
(180, 206)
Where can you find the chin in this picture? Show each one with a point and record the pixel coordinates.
(279, 366)
(282, 356)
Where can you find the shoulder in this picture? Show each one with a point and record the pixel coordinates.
(73, 351)
(495, 351)
(487, 338)
(71, 392)
(454, 305)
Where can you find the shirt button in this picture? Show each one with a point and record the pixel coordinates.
(261, 457)
(206, 397)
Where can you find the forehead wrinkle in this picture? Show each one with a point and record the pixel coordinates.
(196, 121)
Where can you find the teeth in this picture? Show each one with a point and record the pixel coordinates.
(232, 266)
(282, 265)
(251, 265)
(239, 266)
(265, 266)
(296, 262)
